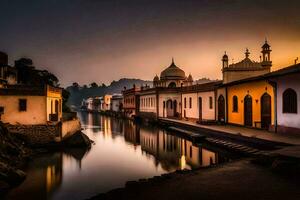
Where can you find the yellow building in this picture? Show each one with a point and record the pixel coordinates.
(251, 103)
(29, 105)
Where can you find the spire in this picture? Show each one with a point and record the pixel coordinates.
(247, 53)
(173, 60)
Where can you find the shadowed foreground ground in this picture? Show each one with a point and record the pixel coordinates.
(236, 180)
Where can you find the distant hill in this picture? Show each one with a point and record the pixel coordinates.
(78, 93)
(203, 80)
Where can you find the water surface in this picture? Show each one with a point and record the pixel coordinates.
(123, 151)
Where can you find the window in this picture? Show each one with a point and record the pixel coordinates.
(190, 102)
(191, 152)
(289, 101)
(184, 102)
(235, 104)
(22, 104)
(210, 102)
(1, 110)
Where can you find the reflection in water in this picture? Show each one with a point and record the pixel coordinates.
(123, 151)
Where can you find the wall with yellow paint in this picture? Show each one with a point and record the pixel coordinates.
(35, 112)
(255, 89)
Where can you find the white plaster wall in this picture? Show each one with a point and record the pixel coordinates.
(283, 83)
(115, 103)
(190, 112)
(207, 112)
(36, 110)
(145, 107)
(165, 97)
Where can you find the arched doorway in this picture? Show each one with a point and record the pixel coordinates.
(248, 110)
(175, 108)
(200, 109)
(221, 109)
(172, 85)
(170, 112)
(265, 103)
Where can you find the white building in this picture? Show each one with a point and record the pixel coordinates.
(287, 84)
(172, 77)
(164, 99)
(116, 104)
(198, 102)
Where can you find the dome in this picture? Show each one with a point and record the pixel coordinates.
(172, 72)
(190, 78)
(156, 78)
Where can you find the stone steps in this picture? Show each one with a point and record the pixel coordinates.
(237, 147)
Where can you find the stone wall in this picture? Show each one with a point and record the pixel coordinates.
(36, 135)
(70, 127)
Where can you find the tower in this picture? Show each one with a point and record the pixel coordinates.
(266, 57)
(225, 61)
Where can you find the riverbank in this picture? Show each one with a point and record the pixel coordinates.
(236, 180)
(15, 152)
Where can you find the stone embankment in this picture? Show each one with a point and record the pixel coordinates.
(20, 143)
(13, 154)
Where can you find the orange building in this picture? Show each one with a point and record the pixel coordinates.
(250, 102)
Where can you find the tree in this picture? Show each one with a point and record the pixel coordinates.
(65, 97)
(94, 85)
(75, 84)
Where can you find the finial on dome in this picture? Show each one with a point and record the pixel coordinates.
(247, 53)
(172, 60)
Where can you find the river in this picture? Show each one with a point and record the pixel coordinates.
(123, 151)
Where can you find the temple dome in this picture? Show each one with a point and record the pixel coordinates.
(190, 78)
(172, 72)
(156, 78)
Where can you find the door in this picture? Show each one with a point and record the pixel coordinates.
(265, 111)
(248, 111)
(200, 109)
(221, 109)
(169, 108)
(175, 108)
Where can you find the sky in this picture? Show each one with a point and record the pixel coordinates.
(104, 40)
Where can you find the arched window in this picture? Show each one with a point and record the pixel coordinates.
(289, 101)
(235, 104)
(172, 85)
(184, 102)
(190, 102)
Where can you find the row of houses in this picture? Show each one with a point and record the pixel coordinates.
(248, 95)
(103, 103)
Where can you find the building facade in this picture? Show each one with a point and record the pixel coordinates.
(172, 77)
(199, 102)
(30, 106)
(247, 67)
(131, 101)
(251, 103)
(116, 104)
(287, 83)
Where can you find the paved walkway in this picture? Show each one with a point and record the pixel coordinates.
(247, 132)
